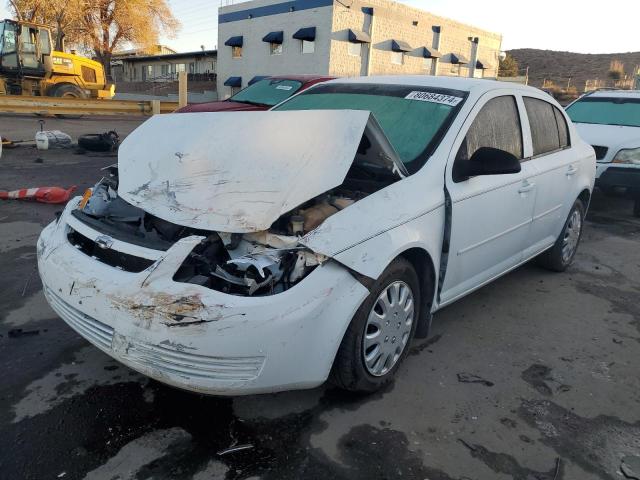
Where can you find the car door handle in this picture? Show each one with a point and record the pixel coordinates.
(572, 171)
(526, 187)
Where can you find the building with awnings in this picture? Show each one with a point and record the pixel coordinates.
(346, 38)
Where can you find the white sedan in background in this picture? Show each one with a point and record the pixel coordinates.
(610, 121)
(237, 253)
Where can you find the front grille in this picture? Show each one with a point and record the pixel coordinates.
(119, 260)
(601, 152)
(96, 332)
(190, 365)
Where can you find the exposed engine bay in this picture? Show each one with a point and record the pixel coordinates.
(257, 263)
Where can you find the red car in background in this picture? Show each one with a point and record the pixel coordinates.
(261, 95)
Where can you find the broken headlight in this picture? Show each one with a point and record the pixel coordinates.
(241, 267)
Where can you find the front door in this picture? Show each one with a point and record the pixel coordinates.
(491, 214)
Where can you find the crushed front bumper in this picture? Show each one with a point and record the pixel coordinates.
(192, 337)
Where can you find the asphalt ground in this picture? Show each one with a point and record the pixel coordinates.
(533, 377)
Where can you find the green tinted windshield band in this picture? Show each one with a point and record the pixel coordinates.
(414, 126)
(606, 111)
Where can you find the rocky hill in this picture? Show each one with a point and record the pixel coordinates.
(560, 66)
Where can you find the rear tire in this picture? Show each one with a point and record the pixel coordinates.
(379, 335)
(560, 256)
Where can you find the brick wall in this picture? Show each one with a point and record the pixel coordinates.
(393, 20)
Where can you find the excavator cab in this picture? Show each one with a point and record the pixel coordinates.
(25, 49)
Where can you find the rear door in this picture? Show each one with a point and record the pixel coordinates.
(557, 167)
(490, 215)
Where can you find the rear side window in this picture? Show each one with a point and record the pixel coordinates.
(549, 130)
(496, 126)
(563, 128)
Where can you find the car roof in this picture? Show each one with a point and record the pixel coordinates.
(474, 85)
(615, 93)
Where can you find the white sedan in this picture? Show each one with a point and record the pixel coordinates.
(610, 121)
(237, 253)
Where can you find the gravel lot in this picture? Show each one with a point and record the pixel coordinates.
(552, 360)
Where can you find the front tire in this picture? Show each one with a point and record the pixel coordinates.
(68, 90)
(378, 338)
(560, 256)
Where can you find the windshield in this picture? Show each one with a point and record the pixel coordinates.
(267, 92)
(413, 118)
(606, 111)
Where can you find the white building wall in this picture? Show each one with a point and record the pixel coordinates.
(256, 59)
(391, 20)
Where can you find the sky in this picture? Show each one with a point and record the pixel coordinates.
(571, 25)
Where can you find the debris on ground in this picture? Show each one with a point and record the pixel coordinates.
(471, 378)
(100, 142)
(630, 467)
(18, 332)
(48, 139)
(40, 194)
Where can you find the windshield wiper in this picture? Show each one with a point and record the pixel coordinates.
(249, 102)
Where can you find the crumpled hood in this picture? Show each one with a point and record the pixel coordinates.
(613, 137)
(236, 172)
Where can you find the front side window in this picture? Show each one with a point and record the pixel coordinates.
(606, 111)
(497, 125)
(414, 119)
(8, 46)
(397, 58)
(308, 46)
(544, 126)
(236, 52)
(268, 92)
(275, 48)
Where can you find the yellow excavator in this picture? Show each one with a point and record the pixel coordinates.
(30, 66)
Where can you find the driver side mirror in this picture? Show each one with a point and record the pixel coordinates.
(486, 161)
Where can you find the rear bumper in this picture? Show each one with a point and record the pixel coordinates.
(609, 176)
(195, 338)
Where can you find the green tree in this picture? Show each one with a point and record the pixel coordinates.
(509, 67)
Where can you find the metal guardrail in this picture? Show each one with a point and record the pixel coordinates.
(82, 106)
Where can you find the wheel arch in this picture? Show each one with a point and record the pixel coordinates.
(422, 263)
(585, 197)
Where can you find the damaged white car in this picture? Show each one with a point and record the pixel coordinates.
(237, 253)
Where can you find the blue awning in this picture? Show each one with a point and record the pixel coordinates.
(400, 46)
(233, 82)
(428, 52)
(235, 41)
(307, 33)
(481, 64)
(358, 36)
(274, 37)
(458, 59)
(257, 78)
